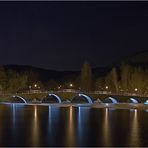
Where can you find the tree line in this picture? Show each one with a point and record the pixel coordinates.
(122, 79)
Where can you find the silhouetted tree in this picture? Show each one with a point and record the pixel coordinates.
(99, 84)
(112, 80)
(3, 79)
(86, 77)
(125, 75)
(52, 85)
(16, 81)
(32, 77)
(77, 82)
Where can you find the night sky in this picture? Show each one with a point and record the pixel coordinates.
(62, 35)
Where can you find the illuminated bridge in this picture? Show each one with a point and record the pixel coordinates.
(83, 98)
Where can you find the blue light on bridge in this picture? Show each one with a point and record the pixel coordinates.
(146, 102)
(133, 100)
(87, 97)
(20, 98)
(56, 96)
(114, 101)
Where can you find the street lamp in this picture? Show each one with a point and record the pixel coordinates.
(136, 89)
(59, 86)
(71, 85)
(106, 87)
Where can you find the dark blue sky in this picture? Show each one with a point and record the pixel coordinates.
(62, 35)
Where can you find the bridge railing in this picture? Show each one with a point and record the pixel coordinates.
(84, 92)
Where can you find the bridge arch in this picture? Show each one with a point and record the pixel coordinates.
(113, 100)
(81, 97)
(54, 96)
(21, 98)
(133, 100)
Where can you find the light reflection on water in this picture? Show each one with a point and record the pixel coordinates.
(134, 133)
(14, 116)
(53, 115)
(70, 136)
(82, 126)
(36, 125)
(106, 133)
(13, 120)
(49, 119)
(79, 136)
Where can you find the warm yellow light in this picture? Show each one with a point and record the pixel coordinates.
(59, 87)
(136, 89)
(70, 84)
(106, 87)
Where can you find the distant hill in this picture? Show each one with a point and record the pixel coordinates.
(138, 59)
(45, 74)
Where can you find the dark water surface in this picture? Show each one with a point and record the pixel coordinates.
(36, 125)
